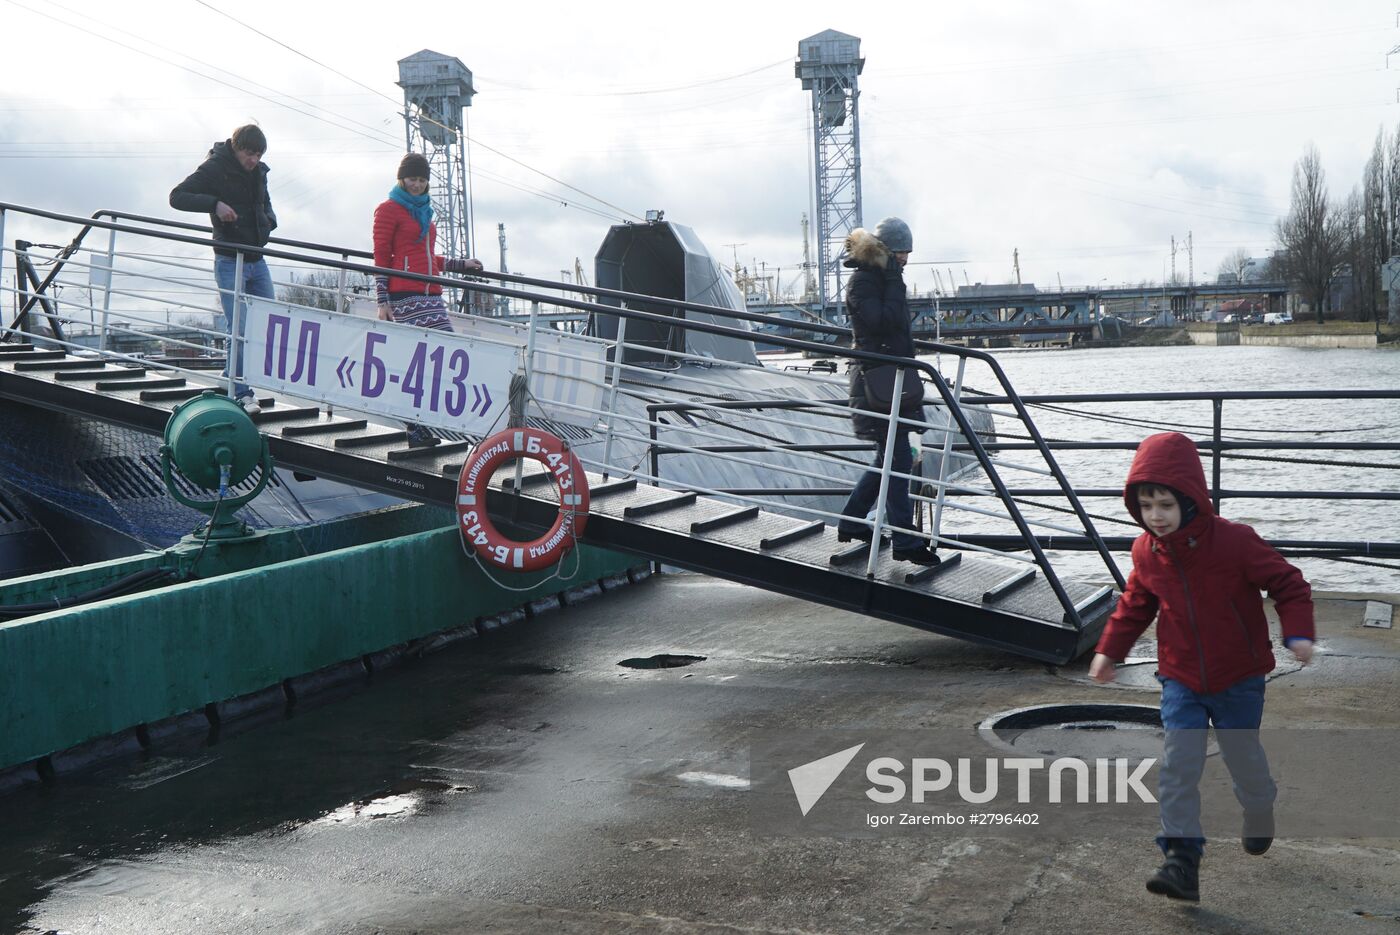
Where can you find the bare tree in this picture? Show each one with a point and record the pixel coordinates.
(319, 288)
(1353, 222)
(1235, 264)
(1373, 237)
(1313, 238)
(1392, 195)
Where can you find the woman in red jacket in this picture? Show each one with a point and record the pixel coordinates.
(405, 238)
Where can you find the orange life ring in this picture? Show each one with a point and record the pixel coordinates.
(476, 526)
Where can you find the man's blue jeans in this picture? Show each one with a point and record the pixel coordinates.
(1236, 713)
(257, 281)
(898, 510)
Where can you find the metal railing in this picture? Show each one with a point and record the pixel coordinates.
(1284, 433)
(802, 447)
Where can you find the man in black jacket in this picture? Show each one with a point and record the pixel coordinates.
(878, 307)
(231, 187)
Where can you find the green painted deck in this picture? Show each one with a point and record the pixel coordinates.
(264, 611)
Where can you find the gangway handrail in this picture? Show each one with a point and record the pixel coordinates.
(717, 310)
(928, 372)
(188, 225)
(1217, 445)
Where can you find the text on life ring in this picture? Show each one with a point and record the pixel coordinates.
(566, 475)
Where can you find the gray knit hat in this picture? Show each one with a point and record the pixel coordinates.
(895, 235)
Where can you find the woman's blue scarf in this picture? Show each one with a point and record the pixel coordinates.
(420, 206)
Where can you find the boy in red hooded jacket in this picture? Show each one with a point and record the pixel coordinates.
(1200, 576)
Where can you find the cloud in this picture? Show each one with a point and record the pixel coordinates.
(1085, 135)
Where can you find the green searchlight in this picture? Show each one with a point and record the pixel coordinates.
(215, 445)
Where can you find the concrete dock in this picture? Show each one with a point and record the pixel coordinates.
(524, 781)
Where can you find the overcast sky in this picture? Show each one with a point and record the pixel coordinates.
(1084, 134)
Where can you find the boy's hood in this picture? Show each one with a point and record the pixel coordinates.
(865, 249)
(1171, 460)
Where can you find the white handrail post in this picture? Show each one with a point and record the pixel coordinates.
(235, 327)
(107, 289)
(4, 330)
(340, 304)
(529, 375)
(530, 345)
(947, 450)
(618, 348)
(891, 433)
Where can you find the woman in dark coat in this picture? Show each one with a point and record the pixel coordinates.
(878, 308)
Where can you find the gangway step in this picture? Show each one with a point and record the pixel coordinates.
(43, 361)
(672, 502)
(324, 428)
(796, 534)
(607, 488)
(947, 564)
(369, 441)
(1097, 600)
(858, 552)
(528, 480)
(179, 394)
(103, 386)
(107, 373)
(286, 413)
(1008, 585)
(413, 454)
(742, 515)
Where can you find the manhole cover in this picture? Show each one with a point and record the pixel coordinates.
(1087, 731)
(661, 661)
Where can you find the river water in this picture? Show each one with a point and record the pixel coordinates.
(1190, 368)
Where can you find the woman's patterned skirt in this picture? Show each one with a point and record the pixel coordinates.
(424, 311)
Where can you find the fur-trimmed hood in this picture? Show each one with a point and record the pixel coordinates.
(865, 249)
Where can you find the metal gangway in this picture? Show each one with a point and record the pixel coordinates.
(711, 463)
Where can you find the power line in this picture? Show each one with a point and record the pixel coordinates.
(464, 135)
(186, 68)
(704, 82)
(297, 52)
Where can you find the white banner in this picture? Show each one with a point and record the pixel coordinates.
(569, 372)
(436, 378)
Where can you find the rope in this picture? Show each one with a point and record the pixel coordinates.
(1065, 509)
(1322, 461)
(208, 531)
(521, 395)
(1235, 456)
(1182, 426)
(1301, 553)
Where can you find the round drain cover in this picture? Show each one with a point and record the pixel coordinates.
(661, 661)
(1087, 731)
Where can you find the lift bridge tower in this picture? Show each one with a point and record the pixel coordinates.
(437, 89)
(828, 64)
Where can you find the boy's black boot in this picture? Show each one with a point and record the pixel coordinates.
(1179, 877)
(1258, 832)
